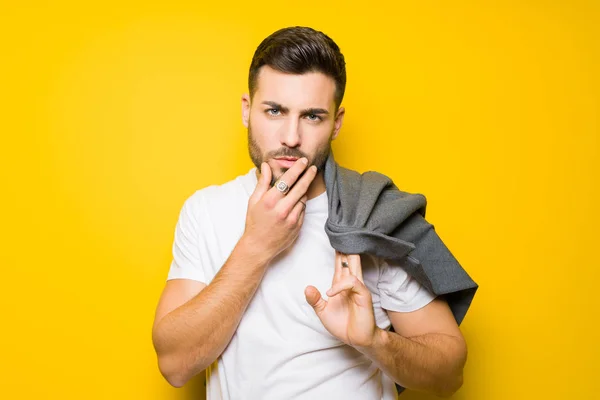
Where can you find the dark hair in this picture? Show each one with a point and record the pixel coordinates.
(297, 50)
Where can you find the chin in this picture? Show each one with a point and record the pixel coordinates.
(277, 170)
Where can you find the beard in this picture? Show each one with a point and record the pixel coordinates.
(319, 159)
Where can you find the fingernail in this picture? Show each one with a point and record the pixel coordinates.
(304, 160)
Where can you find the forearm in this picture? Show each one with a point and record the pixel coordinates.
(193, 335)
(431, 363)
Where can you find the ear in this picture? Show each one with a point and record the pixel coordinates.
(245, 109)
(339, 118)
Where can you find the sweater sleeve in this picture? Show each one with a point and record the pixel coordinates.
(399, 291)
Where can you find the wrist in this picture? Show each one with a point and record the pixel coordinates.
(252, 251)
(378, 341)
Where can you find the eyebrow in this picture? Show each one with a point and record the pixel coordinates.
(305, 111)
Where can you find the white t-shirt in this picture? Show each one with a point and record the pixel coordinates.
(281, 350)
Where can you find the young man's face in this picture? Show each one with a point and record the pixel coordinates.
(291, 116)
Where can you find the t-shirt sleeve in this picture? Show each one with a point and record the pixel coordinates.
(398, 291)
(187, 262)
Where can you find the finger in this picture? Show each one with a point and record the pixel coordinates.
(301, 217)
(337, 271)
(345, 269)
(299, 189)
(298, 209)
(313, 297)
(350, 283)
(289, 177)
(355, 266)
(263, 184)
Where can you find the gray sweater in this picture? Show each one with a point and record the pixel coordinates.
(369, 214)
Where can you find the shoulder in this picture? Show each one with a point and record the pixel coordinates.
(225, 196)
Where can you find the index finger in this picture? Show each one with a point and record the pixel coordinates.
(337, 267)
(355, 266)
(289, 177)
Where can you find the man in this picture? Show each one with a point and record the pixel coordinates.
(258, 298)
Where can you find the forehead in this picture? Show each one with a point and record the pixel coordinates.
(311, 89)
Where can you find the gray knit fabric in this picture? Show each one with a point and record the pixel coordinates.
(369, 214)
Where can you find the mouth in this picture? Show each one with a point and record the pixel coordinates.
(286, 161)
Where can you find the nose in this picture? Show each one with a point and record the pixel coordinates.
(290, 133)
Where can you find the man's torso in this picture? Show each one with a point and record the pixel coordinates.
(280, 349)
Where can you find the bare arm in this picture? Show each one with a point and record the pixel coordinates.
(427, 352)
(194, 323)
(189, 338)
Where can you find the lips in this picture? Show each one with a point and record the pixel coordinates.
(286, 162)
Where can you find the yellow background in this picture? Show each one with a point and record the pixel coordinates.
(113, 114)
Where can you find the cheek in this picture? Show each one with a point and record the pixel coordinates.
(264, 130)
(318, 136)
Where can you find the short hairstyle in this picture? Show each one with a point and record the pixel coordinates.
(297, 50)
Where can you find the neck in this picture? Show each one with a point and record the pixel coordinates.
(316, 187)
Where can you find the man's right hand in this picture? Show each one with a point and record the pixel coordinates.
(274, 219)
(189, 318)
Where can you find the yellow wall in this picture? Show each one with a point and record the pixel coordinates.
(112, 115)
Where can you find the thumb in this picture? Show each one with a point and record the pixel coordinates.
(264, 182)
(313, 297)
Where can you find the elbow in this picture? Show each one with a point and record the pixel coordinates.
(177, 381)
(176, 371)
(454, 380)
(176, 377)
(170, 365)
(172, 371)
(178, 366)
(449, 389)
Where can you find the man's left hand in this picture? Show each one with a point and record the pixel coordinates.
(348, 313)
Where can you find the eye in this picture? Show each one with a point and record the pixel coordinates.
(272, 109)
(314, 117)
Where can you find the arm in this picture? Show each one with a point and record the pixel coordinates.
(190, 337)
(426, 353)
(194, 323)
